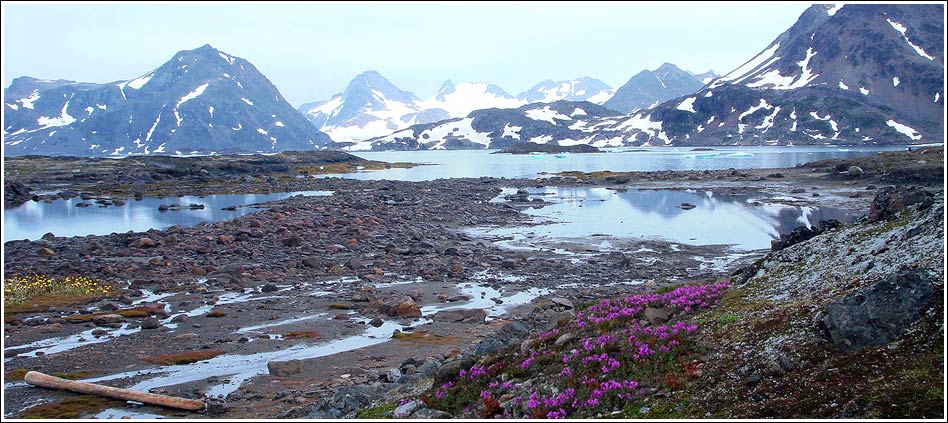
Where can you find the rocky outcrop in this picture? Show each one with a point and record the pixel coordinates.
(890, 201)
(15, 193)
(879, 314)
(802, 233)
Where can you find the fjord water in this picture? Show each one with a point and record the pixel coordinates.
(745, 221)
(477, 163)
(61, 217)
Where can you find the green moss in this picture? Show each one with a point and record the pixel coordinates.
(15, 374)
(378, 412)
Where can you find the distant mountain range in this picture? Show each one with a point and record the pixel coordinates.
(201, 101)
(863, 74)
(372, 106)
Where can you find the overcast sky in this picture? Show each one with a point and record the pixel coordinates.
(311, 51)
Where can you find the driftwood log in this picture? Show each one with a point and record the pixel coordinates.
(46, 381)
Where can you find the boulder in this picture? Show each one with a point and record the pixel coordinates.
(890, 201)
(143, 242)
(405, 410)
(656, 316)
(880, 313)
(285, 368)
(449, 371)
(406, 308)
(151, 323)
(430, 414)
(461, 316)
(106, 319)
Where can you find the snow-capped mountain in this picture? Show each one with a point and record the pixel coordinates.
(860, 74)
(856, 74)
(649, 88)
(706, 77)
(370, 105)
(460, 99)
(561, 122)
(201, 101)
(582, 89)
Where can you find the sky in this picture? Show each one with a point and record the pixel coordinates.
(310, 51)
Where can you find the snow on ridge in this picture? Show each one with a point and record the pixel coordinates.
(226, 57)
(546, 114)
(192, 95)
(687, 105)
(62, 120)
(895, 81)
(511, 131)
(246, 100)
(842, 85)
(904, 130)
(863, 90)
(153, 126)
(27, 101)
(768, 121)
(762, 105)
(747, 67)
(902, 30)
(140, 82)
(832, 11)
(780, 82)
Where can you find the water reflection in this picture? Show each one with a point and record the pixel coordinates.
(748, 222)
(61, 217)
(477, 163)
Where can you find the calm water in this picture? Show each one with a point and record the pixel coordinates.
(32, 220)
(61, 217)
(477, 163)
(748, 222)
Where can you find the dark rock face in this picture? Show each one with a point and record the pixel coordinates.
(890, 201)
(840, 76)
(650, 87)
(878, 314)
(201, 101)
(802, 233)
(15, 193)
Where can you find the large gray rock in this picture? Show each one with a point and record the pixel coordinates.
(880, 313)
(449, 371)
(461, 315)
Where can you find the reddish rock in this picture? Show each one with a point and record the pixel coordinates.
(46, 252)
(225, 239)
(143, 243)
(198, 271)
(406, 308)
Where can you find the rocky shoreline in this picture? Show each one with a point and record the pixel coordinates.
(274, 293)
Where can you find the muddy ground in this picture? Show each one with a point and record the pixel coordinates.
(328, 280)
